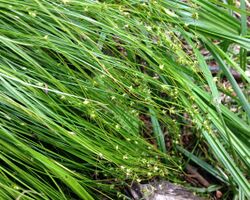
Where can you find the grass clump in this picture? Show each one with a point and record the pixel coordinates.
(77, 77)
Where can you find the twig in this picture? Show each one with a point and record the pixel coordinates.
(195, 174)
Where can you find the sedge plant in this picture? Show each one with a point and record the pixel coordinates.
(77, 77)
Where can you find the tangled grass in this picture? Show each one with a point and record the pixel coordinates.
(76, 76)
